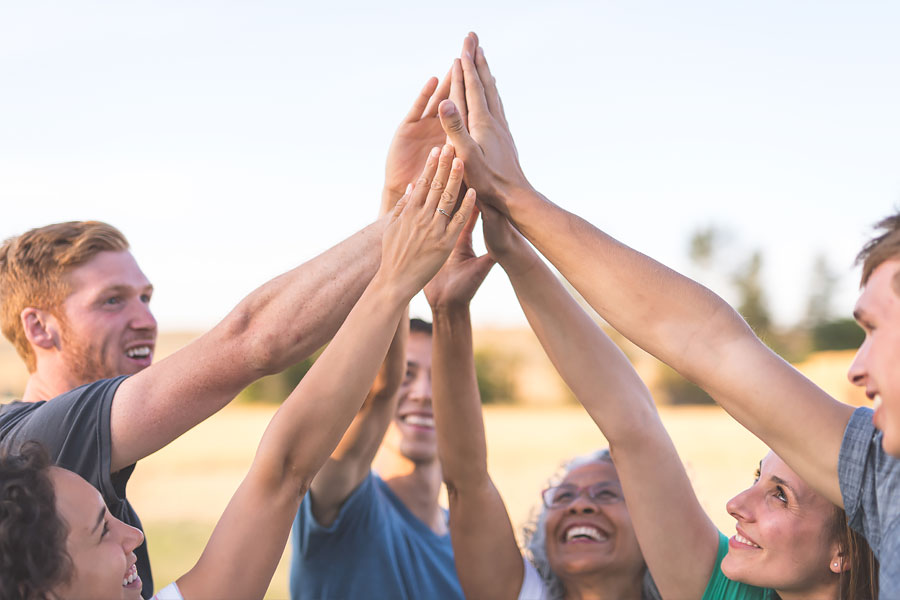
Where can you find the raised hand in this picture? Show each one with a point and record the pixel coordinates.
(461, 276)
(419, 131)
(424, 227)
(485, 143)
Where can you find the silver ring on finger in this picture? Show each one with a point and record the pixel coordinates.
(445, 213)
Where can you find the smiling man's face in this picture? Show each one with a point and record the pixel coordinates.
(107, 328)
(877, 363)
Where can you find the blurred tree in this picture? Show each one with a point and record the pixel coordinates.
(752, 302)
(495, 371)
(822, 287)
(703, 245)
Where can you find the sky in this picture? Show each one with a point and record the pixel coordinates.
(231, 141)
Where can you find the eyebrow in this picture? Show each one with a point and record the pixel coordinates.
(781, 481)
(99, 520)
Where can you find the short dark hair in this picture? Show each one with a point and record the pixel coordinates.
(33, 557)
(417, 325)
(884, 246)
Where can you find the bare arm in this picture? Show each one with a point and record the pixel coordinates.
(672, 317)
(488, 561)
(660, 499)
(278, 325)
(248, 541)
(418, 133)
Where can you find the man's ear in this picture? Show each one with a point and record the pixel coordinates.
(41, 328)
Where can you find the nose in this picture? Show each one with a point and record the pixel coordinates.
(141, 316)
(857, 372)
(739, 506)
(420, 388)
(132, 537)
(582, 504)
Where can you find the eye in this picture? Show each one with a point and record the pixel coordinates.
(145, 298)
(113, 300)
(105, 529)
(562, 496)
(779, 494)
(756, 475)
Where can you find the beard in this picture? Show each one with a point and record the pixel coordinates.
(85, 360)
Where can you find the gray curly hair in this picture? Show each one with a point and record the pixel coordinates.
(535, 532)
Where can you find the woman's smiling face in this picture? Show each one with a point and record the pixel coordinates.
(587, 535)
(101, 547)
(786, 538)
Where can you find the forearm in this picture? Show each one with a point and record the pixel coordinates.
(698, 334)
(315, 416)
(456, 401)
(351, 460)
(484, 545)
(279, 324)
(293, 315)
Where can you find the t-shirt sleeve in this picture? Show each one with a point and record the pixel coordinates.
(722, 588)
(533, 587)
(170, 592)
(857, 466)
(75, 429)
(308, 534)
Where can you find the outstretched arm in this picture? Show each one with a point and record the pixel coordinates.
(674, 318)
(248, 541)
(487, 557)
(280, 324)
(658, 493)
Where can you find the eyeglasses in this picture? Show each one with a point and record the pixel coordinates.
(603, 492)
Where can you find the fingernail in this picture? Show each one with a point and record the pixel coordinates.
(445, 151)
(434, 152)
(408, 189)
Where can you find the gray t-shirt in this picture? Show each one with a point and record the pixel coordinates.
(870, 486)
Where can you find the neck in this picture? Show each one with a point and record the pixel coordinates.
(44, 385)
(828, 591)
(417, 484)
(607, 585)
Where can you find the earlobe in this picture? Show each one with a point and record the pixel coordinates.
(838, 564)
(40, 328)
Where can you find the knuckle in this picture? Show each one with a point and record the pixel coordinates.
(421, 181)
(447, 197)
(437, 184)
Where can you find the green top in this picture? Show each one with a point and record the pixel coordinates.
(722, 588)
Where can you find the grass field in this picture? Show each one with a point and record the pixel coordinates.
(181, 491)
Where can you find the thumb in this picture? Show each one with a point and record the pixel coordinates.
(453, 125)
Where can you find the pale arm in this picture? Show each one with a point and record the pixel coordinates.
(660, 499)
(248, 541)
(672, 317)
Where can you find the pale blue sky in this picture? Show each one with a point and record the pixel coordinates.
(231, 141)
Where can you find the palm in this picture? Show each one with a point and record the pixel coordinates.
(408, 150)
(461, 275)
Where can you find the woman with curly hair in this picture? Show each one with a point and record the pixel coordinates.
(57, 538)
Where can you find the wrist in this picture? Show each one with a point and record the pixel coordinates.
(452, 311)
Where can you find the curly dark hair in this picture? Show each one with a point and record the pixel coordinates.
(33, 557)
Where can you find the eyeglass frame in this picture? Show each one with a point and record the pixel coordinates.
(593, 496)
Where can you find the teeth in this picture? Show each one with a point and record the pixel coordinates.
(584, 531)
(876, 404)
(132, 575)
(138, 352)
(419, 420)
(744, 540)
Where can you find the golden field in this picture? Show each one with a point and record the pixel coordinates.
(181, 490)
